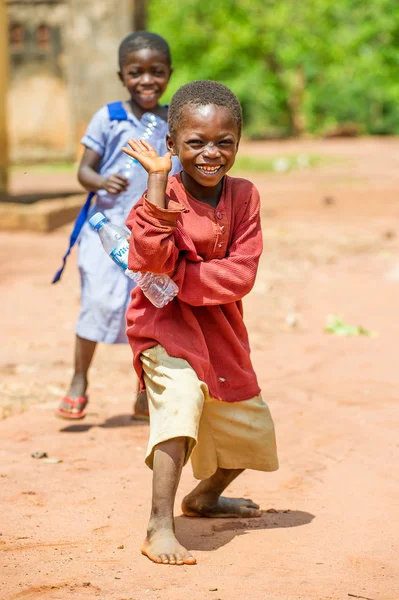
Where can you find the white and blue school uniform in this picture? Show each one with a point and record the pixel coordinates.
(105, 289)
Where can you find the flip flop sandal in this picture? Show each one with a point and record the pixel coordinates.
(81, 401)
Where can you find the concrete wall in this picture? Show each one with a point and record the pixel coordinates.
(38, 103)
(55, 90)
(95, 29)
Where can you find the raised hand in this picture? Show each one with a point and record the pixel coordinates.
(147, 156)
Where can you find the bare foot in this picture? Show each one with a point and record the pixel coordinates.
(205, 506)
(163, 548)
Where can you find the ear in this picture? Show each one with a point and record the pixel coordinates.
(121, 77)
(170, 144)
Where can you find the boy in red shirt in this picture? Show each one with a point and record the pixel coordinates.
(203, 228)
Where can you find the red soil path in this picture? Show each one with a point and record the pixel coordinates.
(331, 522)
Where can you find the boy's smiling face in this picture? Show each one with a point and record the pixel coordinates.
(145, 73)
(206, 143)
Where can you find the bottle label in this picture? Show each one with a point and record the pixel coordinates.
(120, 253)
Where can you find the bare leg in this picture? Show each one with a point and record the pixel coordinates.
(206, 500)
(140, 407)
(84, 352)
(161, 545)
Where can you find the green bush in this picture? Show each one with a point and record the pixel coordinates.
(297, 67)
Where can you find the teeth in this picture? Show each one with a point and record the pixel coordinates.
(208, 169)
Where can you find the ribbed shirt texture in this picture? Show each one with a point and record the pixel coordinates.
(212, 254)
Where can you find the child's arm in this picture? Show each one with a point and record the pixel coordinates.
(152, 247)
(92, 181)
(95, 141)
(153, 244)
(155, 247)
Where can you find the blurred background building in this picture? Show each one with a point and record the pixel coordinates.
(318, 68)
(63, 65)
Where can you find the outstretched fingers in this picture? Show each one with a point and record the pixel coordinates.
(140, 147)
(147, 146)
(147, 156)
(130, 153)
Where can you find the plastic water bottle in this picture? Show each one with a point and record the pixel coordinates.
(127, 169)
(159, 288)
(148, 124)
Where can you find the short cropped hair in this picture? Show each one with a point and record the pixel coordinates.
(203, 93)
(143, 40)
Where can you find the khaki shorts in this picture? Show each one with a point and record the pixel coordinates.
(238, 435)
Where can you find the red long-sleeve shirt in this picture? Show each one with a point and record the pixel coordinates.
(212, 254)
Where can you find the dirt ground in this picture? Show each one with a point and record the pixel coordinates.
(329, 529)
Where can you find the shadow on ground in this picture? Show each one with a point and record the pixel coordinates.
(211, 534)
(110, 423)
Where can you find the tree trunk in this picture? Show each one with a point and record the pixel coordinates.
(294, 94)
(139, 15)
(3, 99)
(295, 102)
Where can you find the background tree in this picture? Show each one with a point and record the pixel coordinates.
(297, 67)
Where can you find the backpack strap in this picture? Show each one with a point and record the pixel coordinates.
(80, 221)
(117, 111)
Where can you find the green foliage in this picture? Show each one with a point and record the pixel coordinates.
(279, 164)
(296, 66)
(336, 326)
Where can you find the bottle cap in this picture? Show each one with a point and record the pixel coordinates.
(97, 219)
